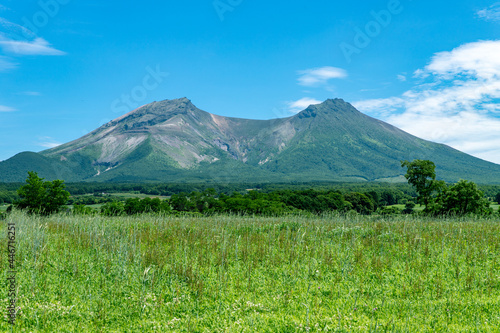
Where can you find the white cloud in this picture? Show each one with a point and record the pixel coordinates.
(39, 46)
(382, 106)
(4, 108)
(48, 142)
(491, 13)
(17, 40)
(480, 60)
(320, 76)
(457, 105)
(302, 104)
(402, 78)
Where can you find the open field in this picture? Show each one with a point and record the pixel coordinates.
(241, 274)
(417, 208)
(127, 195)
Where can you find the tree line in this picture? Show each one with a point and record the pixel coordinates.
(274, 203)
(437, 198)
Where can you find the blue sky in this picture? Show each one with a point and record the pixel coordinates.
(431, 68)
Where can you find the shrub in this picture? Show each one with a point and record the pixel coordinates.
(409, 206)
(82, 210)
(389, 211)
(114, 208)
(147, 205)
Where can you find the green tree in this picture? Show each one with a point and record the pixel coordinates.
(387, 198)
(463, 198)
(133, 206)
(421, 174)
(375, 198)
(181, 203)
(497, 198)
(113, 208)
(360, 202)
(42, 197)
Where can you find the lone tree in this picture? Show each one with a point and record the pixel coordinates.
(422, 175)
(42, 197)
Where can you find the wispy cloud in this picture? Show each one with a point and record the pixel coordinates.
(491, 13)
(301, 104)
(17, 40)
(30, 93)
(320, 76)
(39, 46)
(458, 103)
(383, 107)
(6, 64)
(4, 108)
(14, 31)
(402, 77)
(47, 142)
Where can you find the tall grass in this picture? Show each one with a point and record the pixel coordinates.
(252, 274)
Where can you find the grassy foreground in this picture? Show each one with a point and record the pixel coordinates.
(242, 274)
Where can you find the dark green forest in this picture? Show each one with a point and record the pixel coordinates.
(396, 191)
(96, 193)
(252, 199)
(434, 196)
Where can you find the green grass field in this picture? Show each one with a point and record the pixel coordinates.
(243, 274)
(418, 208)
(136, 195)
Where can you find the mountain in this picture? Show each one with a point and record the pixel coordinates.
(174, 141)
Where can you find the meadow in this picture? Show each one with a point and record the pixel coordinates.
(331, 273)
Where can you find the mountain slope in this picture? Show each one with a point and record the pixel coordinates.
(173, 141)
(352, 145)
